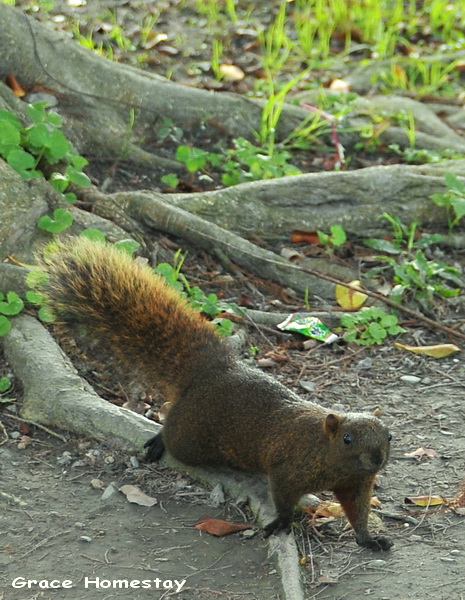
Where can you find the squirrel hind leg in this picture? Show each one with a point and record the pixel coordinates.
(155, 448)
(277, 525)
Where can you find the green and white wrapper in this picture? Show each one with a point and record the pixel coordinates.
(312, 327)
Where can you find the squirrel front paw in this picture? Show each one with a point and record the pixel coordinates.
(155, 448)
(374, 542)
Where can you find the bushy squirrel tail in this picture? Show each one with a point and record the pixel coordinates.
(129, 314)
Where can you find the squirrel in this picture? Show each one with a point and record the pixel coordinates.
(224, 412)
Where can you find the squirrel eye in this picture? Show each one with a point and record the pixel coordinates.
(389, 437)
(347, 439)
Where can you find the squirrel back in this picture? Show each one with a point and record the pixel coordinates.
(223, 411)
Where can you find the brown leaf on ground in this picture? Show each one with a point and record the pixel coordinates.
(218, 527)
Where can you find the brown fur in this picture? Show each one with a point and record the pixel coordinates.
(224, 412)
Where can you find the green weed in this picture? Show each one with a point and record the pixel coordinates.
(272, 110)
(244, 162)
(416, 277)
(42, 143)
(370, 326)
(208, 304)
(335, 238)
(425, 155)
(10, 305)
(62, 219)
(24, 148)
(453, 200)
(195, 159)
(248, 162)
(419, 77)
(217, 53)
(5, 384)
(404, 239)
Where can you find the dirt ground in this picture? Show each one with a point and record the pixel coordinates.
(54, 525)
(57, 527)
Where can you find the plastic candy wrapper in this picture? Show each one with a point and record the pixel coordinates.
(312, 327)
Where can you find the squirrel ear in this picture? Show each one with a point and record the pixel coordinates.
(332, 424)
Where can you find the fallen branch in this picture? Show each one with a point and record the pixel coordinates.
(39, 426)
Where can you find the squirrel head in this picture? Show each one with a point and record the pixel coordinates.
(361, 438)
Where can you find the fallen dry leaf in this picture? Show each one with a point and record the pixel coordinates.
(136, 496)
(328, 509)
(138, 406)
(164, 410)
(24, 442)
(401, 74)
(325, 509)
(350, 299)
(436, 351)
(298, 236)
(459, 499)
(218, 527)
(15, 86)
(421, 453)
(291, 254)
(426, 500)
(276, 356)
(266, 362)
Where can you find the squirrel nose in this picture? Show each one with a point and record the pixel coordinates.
(378, 457)
(374, 460)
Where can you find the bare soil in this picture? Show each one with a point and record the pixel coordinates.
(56, 526)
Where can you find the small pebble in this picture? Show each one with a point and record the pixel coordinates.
(134, 462)
(249, 533)
(65, 459)
(366, 363)
(85, 538)
(410, 379)
(109, 491)
(308, 386)
(97, 484)
(377, 563)
(217, 496)
(42, 97)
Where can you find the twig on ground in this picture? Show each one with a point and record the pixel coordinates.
(46, 429)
